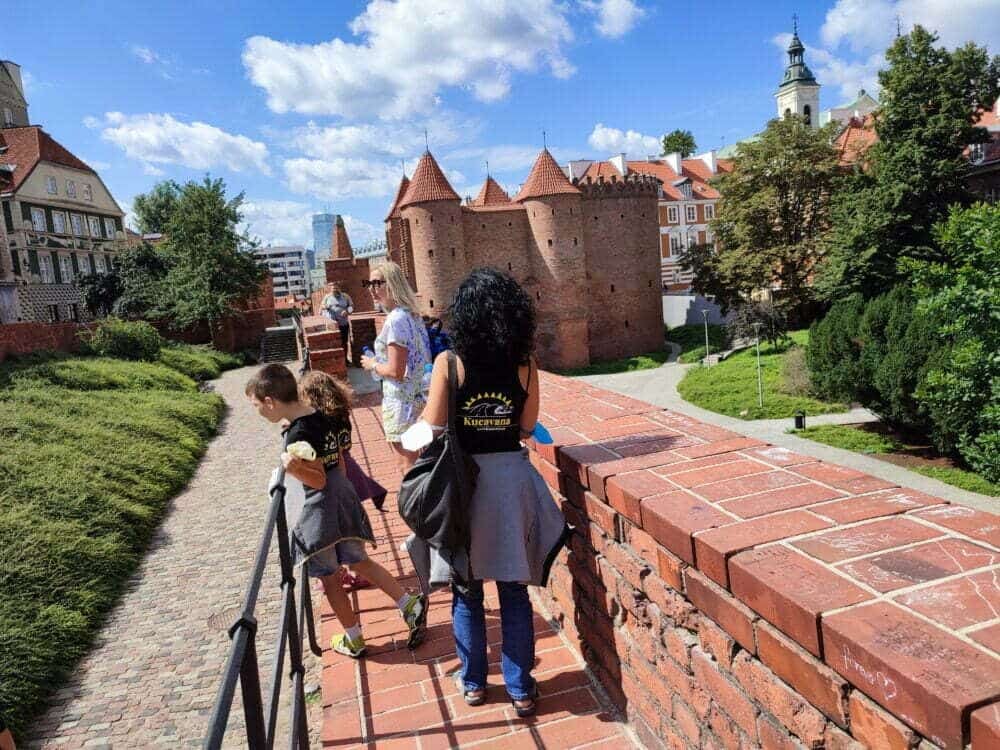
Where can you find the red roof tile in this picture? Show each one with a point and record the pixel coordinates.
(29, 145)
(856, 138)
(491, 194)
(428, 184)
(693, 169)
(394, 210)
(545, 178)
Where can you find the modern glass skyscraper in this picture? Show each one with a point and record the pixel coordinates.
(323, 225)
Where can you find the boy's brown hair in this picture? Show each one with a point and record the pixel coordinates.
(276, 381)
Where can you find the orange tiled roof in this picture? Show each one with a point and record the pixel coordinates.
(29, 145)
(546, 178)
(856, 138)
(428, 184)
(693, 169)
(400, 192)
(491, 194)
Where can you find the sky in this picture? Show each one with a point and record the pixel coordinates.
(321, 106)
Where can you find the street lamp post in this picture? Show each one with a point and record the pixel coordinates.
(760, 379)
(704, 314)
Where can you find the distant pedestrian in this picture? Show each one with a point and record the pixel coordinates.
(402, 351)
(331, 527)
(338, 305)
(516, 528)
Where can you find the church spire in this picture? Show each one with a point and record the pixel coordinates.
(796, 71)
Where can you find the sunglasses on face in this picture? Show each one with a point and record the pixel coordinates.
(372, 283)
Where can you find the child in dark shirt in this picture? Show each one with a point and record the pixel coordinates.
(274, 394)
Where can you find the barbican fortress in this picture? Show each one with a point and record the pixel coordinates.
(586, 250)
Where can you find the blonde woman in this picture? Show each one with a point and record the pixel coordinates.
(402, 351)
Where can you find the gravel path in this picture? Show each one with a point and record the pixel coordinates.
(152, 676)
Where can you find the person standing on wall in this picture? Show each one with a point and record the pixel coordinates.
(402, 350)
(338, 305)
(516, 528)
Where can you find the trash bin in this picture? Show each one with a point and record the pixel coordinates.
(800, 420)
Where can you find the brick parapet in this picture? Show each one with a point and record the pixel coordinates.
(730, 593)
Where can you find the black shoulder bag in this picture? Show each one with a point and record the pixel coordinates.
(434, 495)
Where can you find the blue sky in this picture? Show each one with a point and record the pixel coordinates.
(313, 106)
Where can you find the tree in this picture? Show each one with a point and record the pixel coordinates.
(931, 99)
(100, 291)
(771, 217)
(154, 209)
(212, 270)
(680, 142)
(142, 271)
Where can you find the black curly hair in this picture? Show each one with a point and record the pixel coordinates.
(491, 320)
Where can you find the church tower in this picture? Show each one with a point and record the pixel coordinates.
(798, 92)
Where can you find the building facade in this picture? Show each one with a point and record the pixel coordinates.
(798, 93)
(59, 222)
(586, 251)
(289, 271)
(13, 105)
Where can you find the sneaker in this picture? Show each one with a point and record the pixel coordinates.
(344, 645)
(415, 615)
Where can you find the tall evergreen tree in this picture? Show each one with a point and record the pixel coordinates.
(930, 101)
(771, 217)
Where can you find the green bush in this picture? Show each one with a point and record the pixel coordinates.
(794, 379)
(124, 339)
(833, 355)
(91, 451)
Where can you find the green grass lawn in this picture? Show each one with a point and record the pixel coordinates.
(865, 441)
(91, 451)
(730, 387)
(639, 362)
(691, 339)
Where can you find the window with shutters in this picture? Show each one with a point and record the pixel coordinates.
(45, 269)
(109, 227)
(59, 222)
(95, 226)
(66, 269)
(77, 222)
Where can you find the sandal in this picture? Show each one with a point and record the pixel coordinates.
(475, 697)
(531, 706)
(353, 582)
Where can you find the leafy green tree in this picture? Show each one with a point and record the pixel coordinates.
(142, 270)
(771, 217)
(680, 142)
(212, 269)
(100, 291)
(154, 209)
(930, 103)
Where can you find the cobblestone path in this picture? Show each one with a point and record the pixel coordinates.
(395, 698)
(151, 678)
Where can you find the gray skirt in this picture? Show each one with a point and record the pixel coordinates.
(516, 528)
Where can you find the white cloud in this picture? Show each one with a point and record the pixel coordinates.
(146, 55)
(276, 222)
(614, 141)
(407, 52)
(91, 122)
(97, 164)
(345, 177)
(397, 139)
(855, 34)
(161, 139)
(615, 18)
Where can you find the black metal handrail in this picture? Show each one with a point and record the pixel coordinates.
(241, 665)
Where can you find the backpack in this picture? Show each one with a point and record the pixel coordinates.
(440, 341)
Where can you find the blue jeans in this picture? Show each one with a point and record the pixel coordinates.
(517, 627)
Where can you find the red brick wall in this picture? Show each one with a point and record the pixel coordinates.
(350, 273)
(25, 338)
(732, 594)
(439, 250)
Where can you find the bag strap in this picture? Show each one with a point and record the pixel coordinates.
(452, 394)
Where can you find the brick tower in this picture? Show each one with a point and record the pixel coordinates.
(432, 216)
(558, 261)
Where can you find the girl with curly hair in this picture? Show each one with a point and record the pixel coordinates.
(516, 527)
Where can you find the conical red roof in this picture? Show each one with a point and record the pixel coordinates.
(491, 194)
(428, 184)
(341, 244)
(546, 178)
(400, 192)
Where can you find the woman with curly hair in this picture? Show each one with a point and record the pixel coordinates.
(516, 527)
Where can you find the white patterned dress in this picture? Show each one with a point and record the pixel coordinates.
(403, 400)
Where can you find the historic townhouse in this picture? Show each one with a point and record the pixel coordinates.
(60, 222)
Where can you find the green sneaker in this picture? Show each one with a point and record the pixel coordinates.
(344, 645)
(415, 615)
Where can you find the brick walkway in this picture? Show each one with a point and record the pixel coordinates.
(151, 678)
(395, 698)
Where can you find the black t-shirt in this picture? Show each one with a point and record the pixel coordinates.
(327, 436)
(489, 410)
